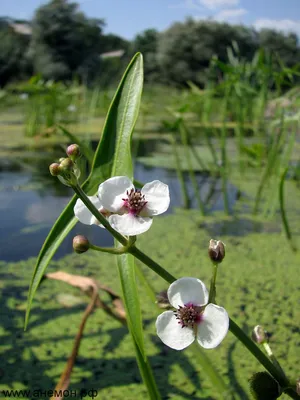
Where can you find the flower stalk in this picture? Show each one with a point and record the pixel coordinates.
(213, 290)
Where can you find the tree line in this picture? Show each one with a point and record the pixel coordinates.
(61, 43)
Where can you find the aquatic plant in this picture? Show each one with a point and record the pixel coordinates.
(196, 309)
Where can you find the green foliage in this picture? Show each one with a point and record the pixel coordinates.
(13, 56)
(146, 43)
(64, 41)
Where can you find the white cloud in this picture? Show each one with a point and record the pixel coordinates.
(284, 25)
(205, 4)
(230, 14)
(214, 4)
(188, 4)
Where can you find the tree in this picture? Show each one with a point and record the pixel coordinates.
(64, 41)
(284, 46)
(146, 43)
(13, 61)
(185, 49)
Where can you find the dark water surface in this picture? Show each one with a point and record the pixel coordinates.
(31, 200)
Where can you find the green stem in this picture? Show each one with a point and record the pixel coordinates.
(213, 290)
(224, 167)
(282, 210)
(273, 358)
(185, 142)
(184, 192)
(111, 250)
(146, 372)
(80, 193)
(151, 264)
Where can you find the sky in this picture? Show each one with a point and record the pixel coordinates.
(129, 17)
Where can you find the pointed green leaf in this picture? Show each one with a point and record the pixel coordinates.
(113, 157)
(125, 102)
(126, 269)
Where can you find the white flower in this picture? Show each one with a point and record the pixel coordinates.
(83, 214)
(132, 210)
(193, 319)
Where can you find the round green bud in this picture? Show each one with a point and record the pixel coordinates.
(73, 151)
(66, 165)
(54, 169)
(216, 251)
(80, 244)
(264, 387)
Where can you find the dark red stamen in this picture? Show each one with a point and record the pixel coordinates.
(189, 315)
(135, 201)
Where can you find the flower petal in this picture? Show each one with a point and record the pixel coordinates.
(187, 290)
(112, 191)
(157, 197)
(213, 327)
(171, 332)
(129, 224)
(83, 214)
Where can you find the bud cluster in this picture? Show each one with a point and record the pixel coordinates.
(66, 169)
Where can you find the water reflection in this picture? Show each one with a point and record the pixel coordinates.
(30, 202)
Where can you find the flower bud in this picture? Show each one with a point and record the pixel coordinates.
(216, 251)
(264, 387)
(73, 151)
(54, 169)
(259, 335)
(80, 244)
(66, 165)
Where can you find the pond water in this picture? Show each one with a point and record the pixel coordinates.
(31, 200)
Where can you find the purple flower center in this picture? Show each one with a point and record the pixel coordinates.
(135, 201)
(189, 315)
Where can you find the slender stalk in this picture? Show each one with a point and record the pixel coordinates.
(151, 264)
(111, 250)
(272, 157)
(184, 140)
(146, 372)
(213, 290)
(273, 358)
(186, 201)
(282, 211)
(224, 167)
